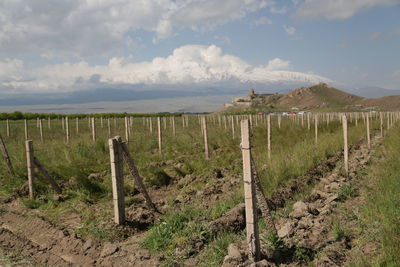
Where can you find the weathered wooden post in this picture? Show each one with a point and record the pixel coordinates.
(26, 129)
(225, 121)
(31, 167)
(316, 128)
(77, 125)
(252, 233)
(345, 145)
(109, 127)
(173, 126)
(159, 135)
(6, 157)
(368, 134)
(233, 128)
(204, 124)
(67, 129)
(8, 128)
(126, 129)
(101, 122)
(381, 120)
(151, 125)
(49, 123)
(117, 179)
(269, 135)
(279, 121)
(308, 121)
(94, 129)
(63, 123)
(41, 130)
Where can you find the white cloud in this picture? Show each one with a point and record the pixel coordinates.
(90, 28)
(187, 65)
(262, 20)
(289, 29)
(337, 9)
(277, 64)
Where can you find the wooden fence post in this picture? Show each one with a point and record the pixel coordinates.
(31, 167)
(49, 123)
(204, 124)
(109, 127)
(368, 134)
(135, 173)
(67, 129)
(252, 233)
(279, 121)
(8, 128)
(126, 129)
(7, 159)
(381, 120)
(159, 135)
(94, 128)
(117, 179)
(26, 129)
(41, 130)
(46, 175)
(269, 135)
(173, 126)
(345, 145)
(233, 128)
(316, 128)
(77, 125)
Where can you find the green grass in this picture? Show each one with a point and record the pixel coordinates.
(382, 213)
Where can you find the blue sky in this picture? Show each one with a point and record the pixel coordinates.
(58, 46)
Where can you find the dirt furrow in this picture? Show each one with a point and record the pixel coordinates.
(307, 230)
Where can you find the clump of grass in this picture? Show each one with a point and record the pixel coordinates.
(337, 231)
(347, 191)
(160, 178)
(92, 227)
(32, 203)
(217, 249)
(161, 237)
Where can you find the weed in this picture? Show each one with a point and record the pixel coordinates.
(161, 178)
(347, 191)
(337, 231)
(217, 249)
(32, 203)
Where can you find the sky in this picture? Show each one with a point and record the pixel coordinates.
(58, 46)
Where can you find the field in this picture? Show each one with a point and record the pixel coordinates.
(198, 199)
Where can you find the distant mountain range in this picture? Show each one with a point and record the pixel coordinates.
(322, 96)
(123, 92)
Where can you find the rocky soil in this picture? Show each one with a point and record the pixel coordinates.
(311, 232)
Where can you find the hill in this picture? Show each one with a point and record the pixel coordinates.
(315, 97)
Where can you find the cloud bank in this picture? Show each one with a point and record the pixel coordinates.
(190, 64)
(337, 9)
(59, 28)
